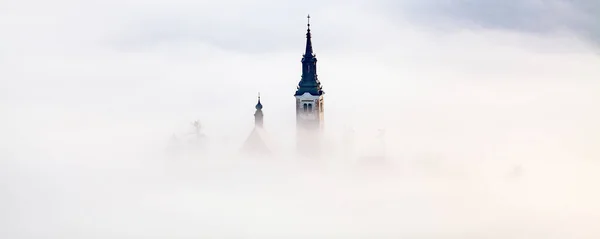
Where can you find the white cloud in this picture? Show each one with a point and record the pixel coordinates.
(93, 90)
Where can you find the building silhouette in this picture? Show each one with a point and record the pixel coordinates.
(309, 111)
(257, 143)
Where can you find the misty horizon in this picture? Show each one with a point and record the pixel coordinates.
(485, 113)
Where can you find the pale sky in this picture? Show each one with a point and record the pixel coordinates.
(467, 80)
(157, 62)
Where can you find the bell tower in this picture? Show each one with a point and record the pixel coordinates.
(309, 104)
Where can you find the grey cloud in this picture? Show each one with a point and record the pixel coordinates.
(274, 26)
(541, 17)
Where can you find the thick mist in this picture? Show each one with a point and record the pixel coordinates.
(489, 132)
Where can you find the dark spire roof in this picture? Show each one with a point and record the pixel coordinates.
(309, 82)
(259, 106)
(258, 115)
(309, 50)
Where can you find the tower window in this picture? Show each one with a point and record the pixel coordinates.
(305, 107)
(309, 107)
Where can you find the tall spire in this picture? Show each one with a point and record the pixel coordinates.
(258, 115)
(309, 50)
(309, 82)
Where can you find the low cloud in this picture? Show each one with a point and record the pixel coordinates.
(490, 131)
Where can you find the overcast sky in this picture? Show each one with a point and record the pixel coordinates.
(463, 79)
(168, 60)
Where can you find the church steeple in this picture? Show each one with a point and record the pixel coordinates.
(256, 144)
(258, 115)
(309, 103)
(309, 82)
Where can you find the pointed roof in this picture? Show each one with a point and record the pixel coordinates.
(256, 143)
(309, 82)
(258, 106)
(309, 50)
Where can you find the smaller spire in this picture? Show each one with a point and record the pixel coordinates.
(258, 115)
(259, 105)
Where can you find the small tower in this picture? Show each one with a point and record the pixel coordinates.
(258, 115)
(309, 103)
(256, 143)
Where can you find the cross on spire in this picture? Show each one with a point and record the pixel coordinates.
(309, 50)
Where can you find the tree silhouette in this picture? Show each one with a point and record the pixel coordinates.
(197, 128)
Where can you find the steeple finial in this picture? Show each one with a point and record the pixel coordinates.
(308, 20)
